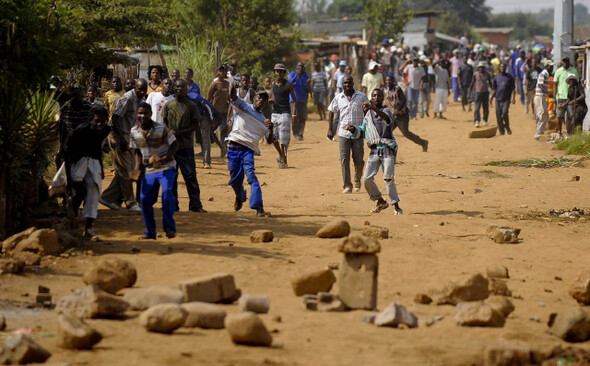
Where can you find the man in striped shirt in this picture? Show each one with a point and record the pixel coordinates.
(155, 146)
(540, 100)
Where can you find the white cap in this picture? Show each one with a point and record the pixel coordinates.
(420, 53)
(372, 65)
(571, 76)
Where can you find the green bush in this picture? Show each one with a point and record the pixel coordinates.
(577, 144)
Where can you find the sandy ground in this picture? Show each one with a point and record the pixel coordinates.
(428, 246)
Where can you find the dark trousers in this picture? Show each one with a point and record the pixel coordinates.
(465, 97)
(482, 99)
(185, 162)
(502, 107)
(403, 123)
(354, 146)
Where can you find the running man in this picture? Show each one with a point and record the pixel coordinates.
(281, 113)
(248, 128)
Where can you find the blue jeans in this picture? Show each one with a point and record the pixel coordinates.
(455, 82)
(520, 89)
(185, 161)
(240, 163)
(502, 109)
(413, 99)
(373, 164)
(149, 196)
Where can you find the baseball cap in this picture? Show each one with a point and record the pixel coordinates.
(280, 67)
(372, 65)
(548, 63)
(481, 64)
(263, 93)
(571, 76)
(342, 63)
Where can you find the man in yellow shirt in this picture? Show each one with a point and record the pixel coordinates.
(495, 61)
(111, 97)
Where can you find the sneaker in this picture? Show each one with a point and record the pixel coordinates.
(206, 166)
(260, 212)
(398, 212)
(238, 204)
(170, 234)
(347, 190)
(111, 205)
(134, 208)
(485, 123)
(476, 124)
(380, 207)
(357, 187)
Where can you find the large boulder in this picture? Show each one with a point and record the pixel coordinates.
(163, 318)
(472, 289)
(75, 333)
(580, 288)
(42, 241)
(111, 275)
(312, 280)
(572, 325)
(10, 243)
(21, 349)
(247, 328)
(144, 298)
(478, 314)
(218, 287)
(91, 302)
(334, 229)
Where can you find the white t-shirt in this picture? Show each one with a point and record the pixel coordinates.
(157, 101)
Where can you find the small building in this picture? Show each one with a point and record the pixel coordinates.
(497, 36)
(584, 54)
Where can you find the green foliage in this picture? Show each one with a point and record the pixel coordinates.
(385, 18)
(536, 163)
(249, 30)
(526, 25)
(345, 8)
(577, 144)
(199, 55)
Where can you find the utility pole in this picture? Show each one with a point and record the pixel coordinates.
(563, 29)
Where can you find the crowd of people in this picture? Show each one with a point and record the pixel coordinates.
(149, 126)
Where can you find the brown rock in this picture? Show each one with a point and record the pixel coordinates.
(219, 287)
(580, 289)
(508, 355)
(111, 275)
(255, 304)
(501, 304)
(29, 258)
(145, 298)
(46, 239)
(204, 315)
(473, 289)
(312, 281)
(499, 287)
(261, 236)
(572, 325)
(74, 333)
(10, 243)
(359, 244)
(163, 318)
(497, 271)
(91, 302)
(422, 299)
(357, 281)
(248, 329)
(478, 314)
(334, 229)
(334, 305)
(394, 315)
(11, 265)
(376, 232)
(21, 349)
(504, 234)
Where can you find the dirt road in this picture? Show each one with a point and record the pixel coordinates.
(449, 199)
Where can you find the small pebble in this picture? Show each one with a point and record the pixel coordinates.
(277, 318)
(557, 278)
(541, 304)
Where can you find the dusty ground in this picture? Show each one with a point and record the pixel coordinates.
(427, 248)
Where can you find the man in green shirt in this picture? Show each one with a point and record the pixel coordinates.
(181, 115)
(560, 82)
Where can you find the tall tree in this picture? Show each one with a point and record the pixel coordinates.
(385, 18)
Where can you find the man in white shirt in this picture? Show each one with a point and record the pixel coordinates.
(157, 100)
(249, 127)
(372, 80)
